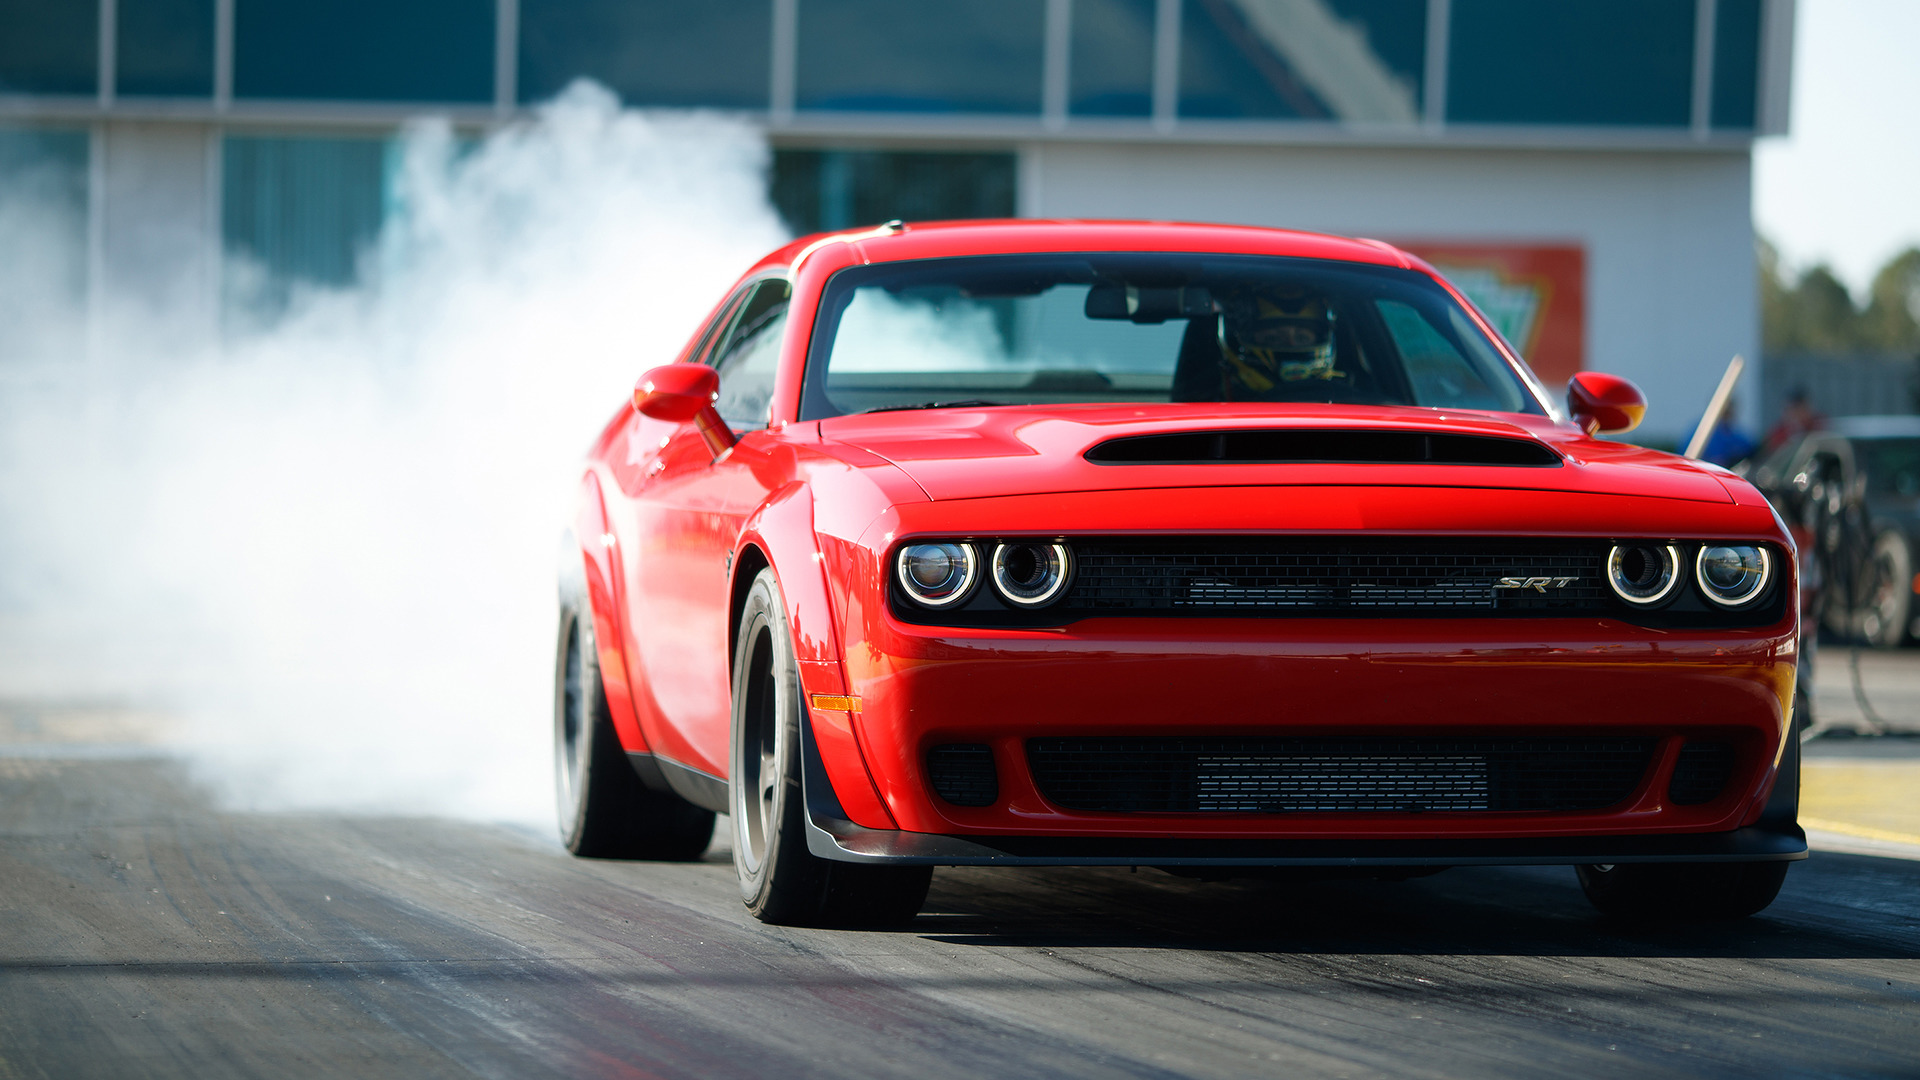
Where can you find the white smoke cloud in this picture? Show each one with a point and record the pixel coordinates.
(328, 544)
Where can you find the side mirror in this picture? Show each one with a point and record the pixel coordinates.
(678, 393)
(1605, 404)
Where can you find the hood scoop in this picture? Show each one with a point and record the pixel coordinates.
(1325, 446)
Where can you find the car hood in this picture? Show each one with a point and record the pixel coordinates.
(964, 453)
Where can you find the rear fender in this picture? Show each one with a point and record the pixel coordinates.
(600, 558)
(781, 533)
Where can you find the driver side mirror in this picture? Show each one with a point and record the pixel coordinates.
(1605, 404)
(678, 393)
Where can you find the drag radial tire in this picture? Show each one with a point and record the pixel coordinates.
(1661, 892)
(605, 810)
(780, 880)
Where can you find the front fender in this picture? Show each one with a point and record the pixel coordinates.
(781, 532)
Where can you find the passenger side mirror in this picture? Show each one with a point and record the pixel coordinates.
(678, 393)
(1605, 404)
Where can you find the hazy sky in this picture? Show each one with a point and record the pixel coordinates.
(1844, 187)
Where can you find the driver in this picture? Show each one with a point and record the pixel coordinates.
(1274, 336)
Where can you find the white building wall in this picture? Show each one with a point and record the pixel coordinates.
(1670, 269)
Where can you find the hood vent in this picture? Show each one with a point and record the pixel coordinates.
(1295, 446)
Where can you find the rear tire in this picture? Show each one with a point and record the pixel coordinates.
(606, 812)
(1672, 892)
(780, 880)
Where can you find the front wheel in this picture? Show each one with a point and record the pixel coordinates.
(780, 880)
(1682, 891)
(1885, 604)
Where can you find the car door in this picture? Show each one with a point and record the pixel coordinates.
(692, 508)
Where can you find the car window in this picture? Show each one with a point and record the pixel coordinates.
(1892, 466)
(1439, 372)
(1145, 327)
(748, 357)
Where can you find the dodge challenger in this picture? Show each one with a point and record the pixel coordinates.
(1220, 550)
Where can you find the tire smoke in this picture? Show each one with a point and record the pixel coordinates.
(326, 540)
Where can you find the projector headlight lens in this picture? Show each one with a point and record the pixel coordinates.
(1643, 574)
(938, 575)
(1733, 574)
(1031, 575)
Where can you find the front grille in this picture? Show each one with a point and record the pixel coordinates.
(962, 774)
(1701, 772)
(1338, 576)
(1388, 774)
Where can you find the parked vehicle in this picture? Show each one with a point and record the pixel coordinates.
(1853, 489)
(1221, 550)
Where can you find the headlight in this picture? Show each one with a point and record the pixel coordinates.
(938, 575)
(1732, 574)
(1031, 575)
(1643, 573)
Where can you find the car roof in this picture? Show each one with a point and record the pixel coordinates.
(951, 239)
(1875, 427)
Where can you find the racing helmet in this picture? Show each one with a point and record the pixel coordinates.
(1278, 334)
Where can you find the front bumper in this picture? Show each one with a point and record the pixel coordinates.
(1774, 837)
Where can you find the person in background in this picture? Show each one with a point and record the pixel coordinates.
(1798, 418)
(1727, 446)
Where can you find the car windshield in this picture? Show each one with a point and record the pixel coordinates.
(1057, 329)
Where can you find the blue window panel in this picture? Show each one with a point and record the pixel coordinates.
(47, 169)
(824, 190)
(980, 56)
(1736, 63)
(711, 54)
(364, 50)
(1350, 61)
(1111, 68)
(164, 48)
(302, 209)
(49, 46)
(1578, 62)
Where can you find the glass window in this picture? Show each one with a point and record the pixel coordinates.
(49, 46)
(749, 357)
(164, 48)
(364, 50)
(43, 215)
(1050, 329)
(1111, 70)
(650, 52)
(823, 190)
(1736, 63)
(1619, 62)
(981, 56)
(1355, 61)
(1891, 466)
(299, 209)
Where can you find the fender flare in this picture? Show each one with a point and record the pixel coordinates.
(597, 550)
(779, 534)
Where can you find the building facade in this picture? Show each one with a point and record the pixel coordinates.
(1582, 167)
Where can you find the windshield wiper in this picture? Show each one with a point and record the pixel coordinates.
(968, 403)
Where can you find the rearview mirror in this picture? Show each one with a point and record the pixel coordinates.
(678, 393)
(1605, 404)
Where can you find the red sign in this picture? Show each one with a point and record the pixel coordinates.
(1534, 294)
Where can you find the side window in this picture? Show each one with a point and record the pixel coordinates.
(748, 357)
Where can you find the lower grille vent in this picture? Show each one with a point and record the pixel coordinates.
(1370, 774)
(1701, 773)
(962, 774)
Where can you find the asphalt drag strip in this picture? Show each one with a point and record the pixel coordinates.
(143, 932)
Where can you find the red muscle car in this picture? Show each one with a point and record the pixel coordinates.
(1215, 549)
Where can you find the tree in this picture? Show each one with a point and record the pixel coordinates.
(1816, 313)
